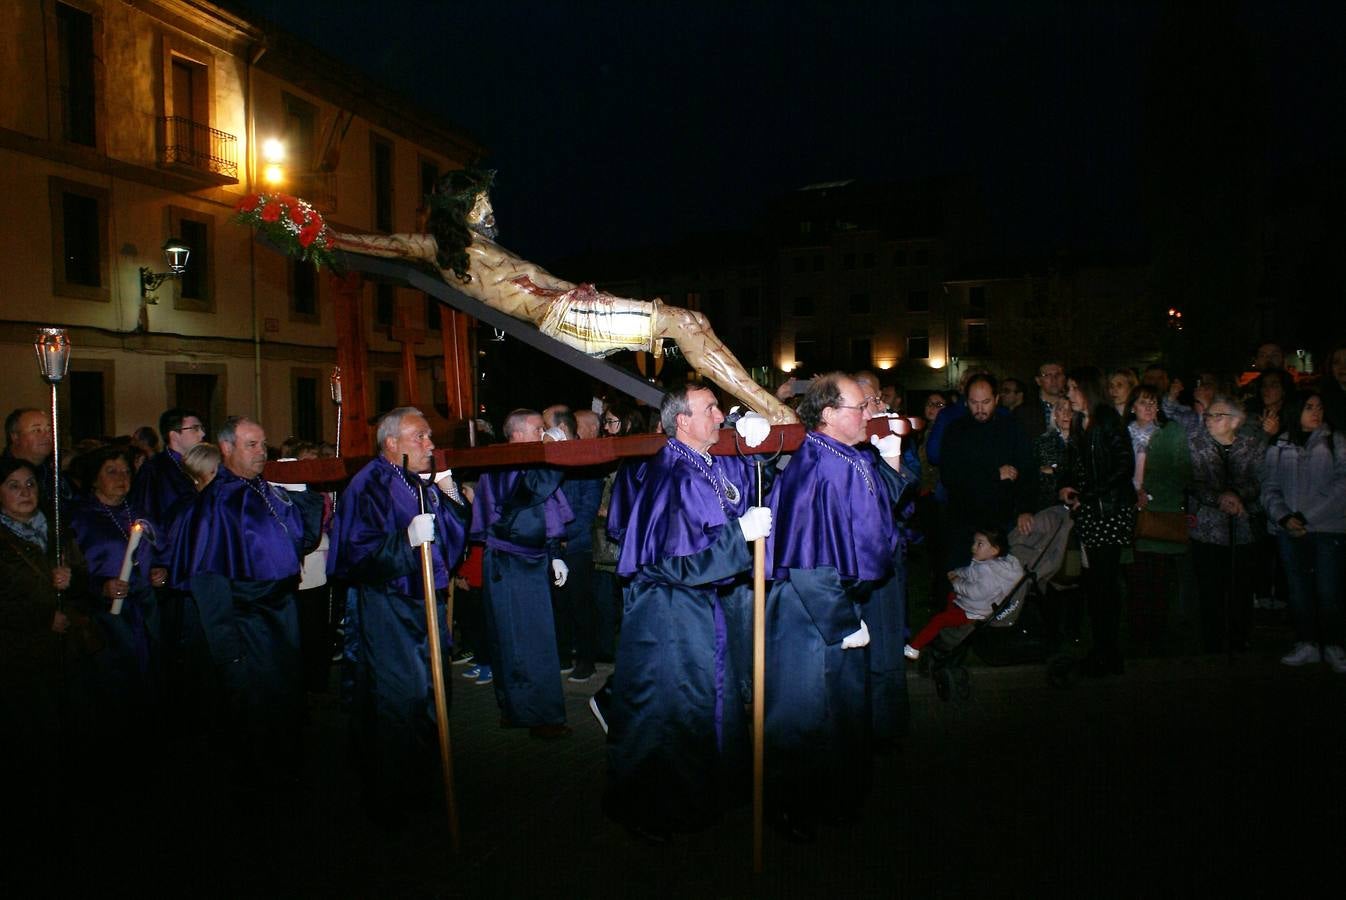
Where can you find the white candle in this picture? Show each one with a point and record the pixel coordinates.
(128, 561)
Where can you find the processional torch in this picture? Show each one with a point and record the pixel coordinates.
(53, 360)
(334, 382)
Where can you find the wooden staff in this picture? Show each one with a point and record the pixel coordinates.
(437, 676)
(758, 683)
(759, 661)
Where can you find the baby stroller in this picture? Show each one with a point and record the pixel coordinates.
(1014, 632)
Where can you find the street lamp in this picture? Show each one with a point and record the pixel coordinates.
(273, 151)
(53, 361)
(176, 254)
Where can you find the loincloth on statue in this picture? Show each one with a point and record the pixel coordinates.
(595, 322)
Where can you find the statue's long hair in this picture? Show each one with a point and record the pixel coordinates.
(449, 206)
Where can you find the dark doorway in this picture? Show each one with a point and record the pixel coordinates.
(197, 393)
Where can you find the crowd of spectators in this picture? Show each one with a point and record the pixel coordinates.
(1195, 505)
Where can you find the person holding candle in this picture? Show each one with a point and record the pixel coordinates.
(117, 542)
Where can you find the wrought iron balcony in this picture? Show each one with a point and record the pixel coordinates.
(183, 142)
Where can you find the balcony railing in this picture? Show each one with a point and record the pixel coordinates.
(183, 142)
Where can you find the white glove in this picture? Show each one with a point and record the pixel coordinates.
(554, 433)
(444, 480)
(421, 530)
(752, 428)
(856, 639)
(756, 523)
(560, 572)
(889, 446)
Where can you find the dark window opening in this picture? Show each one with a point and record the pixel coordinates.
(385, 395)
(429, 178)
(918, 345)
(918, 301)
(306, 418)
(432, 320)
(74, 37)
(384, 303)
(194, 281)
(978, 339)
(86, 406)
(80, 220)
(197, 393)
(976, 298)
(303, 288)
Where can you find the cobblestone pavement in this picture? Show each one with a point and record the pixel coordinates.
(1178, 777)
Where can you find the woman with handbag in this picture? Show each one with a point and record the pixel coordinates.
(1304, 492)
(1226, 503)
(1163, 470)
(1097, 487)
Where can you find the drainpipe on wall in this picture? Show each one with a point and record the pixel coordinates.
(254, 57)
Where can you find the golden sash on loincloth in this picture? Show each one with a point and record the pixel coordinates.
(595, 322)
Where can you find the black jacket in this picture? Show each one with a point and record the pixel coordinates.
(1100, 464)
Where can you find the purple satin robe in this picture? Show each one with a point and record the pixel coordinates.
(496, 490)
(831, 508)
(682, 503)
(243, 530)
(379, 501)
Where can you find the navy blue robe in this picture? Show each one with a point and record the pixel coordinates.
(678, 739)
(886, 617)
(394, 701)
(520, 515)
(237, 549)
(833, 541)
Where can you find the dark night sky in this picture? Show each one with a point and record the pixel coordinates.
(615, 124)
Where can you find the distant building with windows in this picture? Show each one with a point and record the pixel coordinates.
(123, 125)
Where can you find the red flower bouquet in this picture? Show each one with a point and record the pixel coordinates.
(289, 223)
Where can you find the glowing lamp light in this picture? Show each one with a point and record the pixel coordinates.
(273, 151)
(53, 353)
(885, 364)
(273, 174)
(788, 365)
(936, 362)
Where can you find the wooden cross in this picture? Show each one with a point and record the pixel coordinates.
(408, 337)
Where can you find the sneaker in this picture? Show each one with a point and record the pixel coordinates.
(463, 657)
(596, 707)
(485, 675)
(1303, 654)
(567, 668)
(582, 672)
(911, 652)
(472, 673)
(1336, 658)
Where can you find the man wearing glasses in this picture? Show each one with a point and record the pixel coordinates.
(162, 480)
(829, 556)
